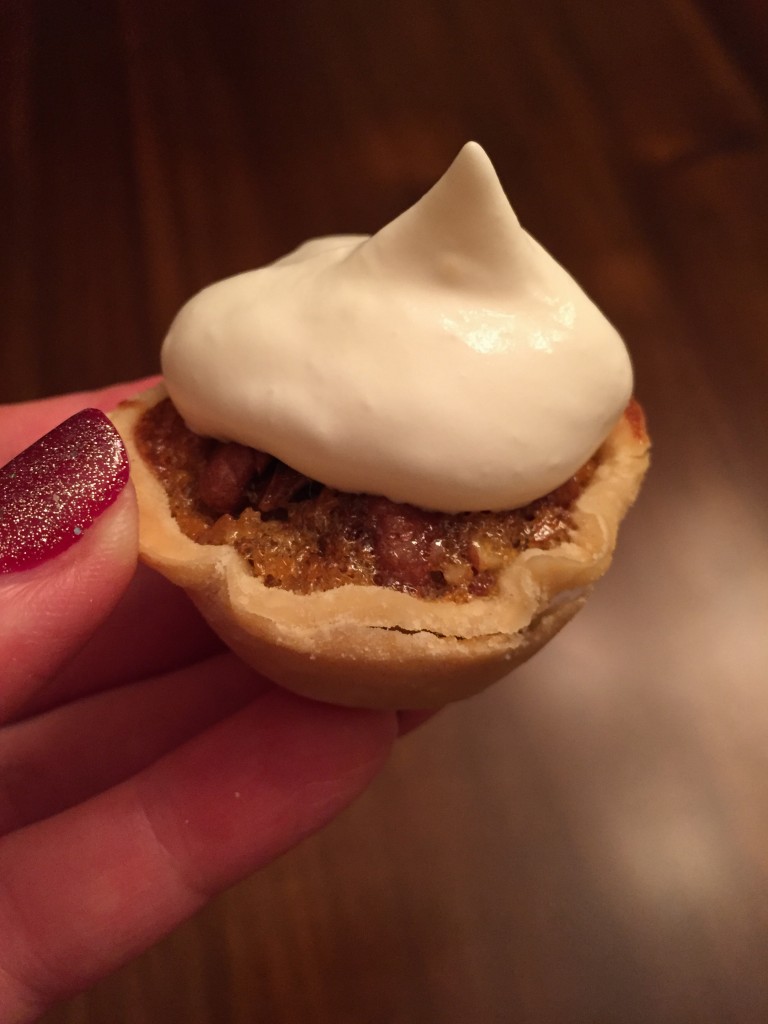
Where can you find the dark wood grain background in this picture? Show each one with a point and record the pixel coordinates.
(587, 842)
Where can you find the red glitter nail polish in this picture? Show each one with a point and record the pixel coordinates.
(55, 489)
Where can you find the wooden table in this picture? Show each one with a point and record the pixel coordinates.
(588, 841)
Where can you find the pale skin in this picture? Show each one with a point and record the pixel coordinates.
(143, 768)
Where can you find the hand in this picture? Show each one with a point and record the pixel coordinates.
(143, 768)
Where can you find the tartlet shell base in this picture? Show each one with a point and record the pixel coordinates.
(369, 646)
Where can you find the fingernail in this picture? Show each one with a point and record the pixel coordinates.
(54, 490)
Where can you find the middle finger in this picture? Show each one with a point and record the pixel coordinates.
(154, 629)
(60, 758)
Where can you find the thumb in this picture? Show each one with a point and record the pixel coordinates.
(68, 545)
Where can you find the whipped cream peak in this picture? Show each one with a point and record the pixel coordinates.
(447, 361)
(462, 234)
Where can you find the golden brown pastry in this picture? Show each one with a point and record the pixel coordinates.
(374, 646)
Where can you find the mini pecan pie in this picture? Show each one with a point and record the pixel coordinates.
(352, 598)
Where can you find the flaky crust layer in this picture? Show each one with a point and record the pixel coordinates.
(369, 646)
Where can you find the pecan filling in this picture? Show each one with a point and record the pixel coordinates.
(297, 534)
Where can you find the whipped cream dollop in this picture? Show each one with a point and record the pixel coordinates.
(447, 361)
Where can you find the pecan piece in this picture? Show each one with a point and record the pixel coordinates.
(283, 485)
(226, 475)
(402, 539)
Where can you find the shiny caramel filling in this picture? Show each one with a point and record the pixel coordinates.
(297, 534)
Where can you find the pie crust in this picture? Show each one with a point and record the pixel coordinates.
(370, 646)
